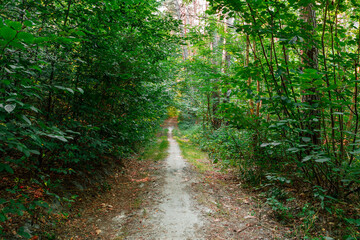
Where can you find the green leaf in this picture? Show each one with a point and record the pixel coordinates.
(9, 71)
(15, 25)
(70, 90)
(10, 107)
(26, 119)
(34, 109)
(61, 138)
(81, 90)
(9, 169)
(322, 160)
(26, 37)
(22, 233)
(34, 152)
(28, 23)
(65, 88)
(26, 152)
(294, 150)
(2, 217)
(41, 39)
(357, 151)
(80, 33)
(7, 33)
(36, 68)
(306, 139)
(6, 167)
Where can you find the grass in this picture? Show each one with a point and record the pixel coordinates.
(192, 153)
(157, 150)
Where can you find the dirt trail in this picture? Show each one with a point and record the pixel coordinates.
(171, 199)
(175, 217)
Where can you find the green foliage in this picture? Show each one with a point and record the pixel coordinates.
(309, 216)
(190, 151)
(172, 112)
(262, 92)
(80, 83)
(275, 93)
(282, 212)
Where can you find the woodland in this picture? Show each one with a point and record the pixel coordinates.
(269, 88)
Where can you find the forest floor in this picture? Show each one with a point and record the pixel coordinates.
(173, 199)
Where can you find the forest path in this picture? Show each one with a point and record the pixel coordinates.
(174, 199)
(188, 203)
(175, 216)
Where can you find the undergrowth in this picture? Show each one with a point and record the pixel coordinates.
(312, 214)
(37, 207)
(192, 152)
(156, 150)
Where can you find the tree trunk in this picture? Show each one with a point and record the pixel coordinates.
(310, 60)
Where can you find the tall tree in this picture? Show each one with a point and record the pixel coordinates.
(310, 60)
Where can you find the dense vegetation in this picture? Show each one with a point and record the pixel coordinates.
(82, 82)
(268, 87)
(274, 88)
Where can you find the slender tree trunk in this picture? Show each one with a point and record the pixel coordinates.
(310, 60)
(247, 61)
(67, 12)
(215, 96)
(226, 59)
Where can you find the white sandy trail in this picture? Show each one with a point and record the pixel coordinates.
(175, 217)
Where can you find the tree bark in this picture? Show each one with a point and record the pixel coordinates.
(310, 61)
